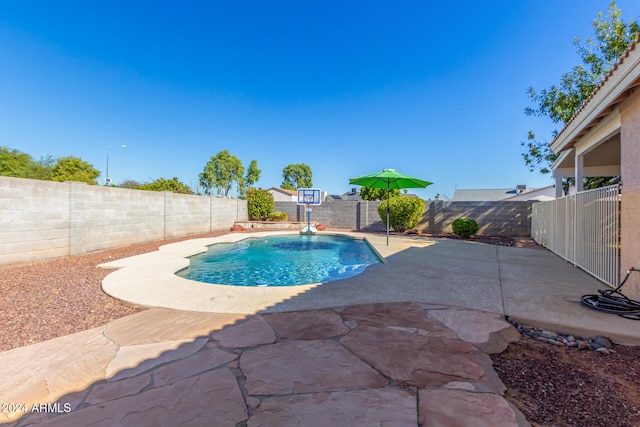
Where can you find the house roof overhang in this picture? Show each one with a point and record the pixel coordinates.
(614, 88)
(602, 159)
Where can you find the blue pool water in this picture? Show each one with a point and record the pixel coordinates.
(281, 261)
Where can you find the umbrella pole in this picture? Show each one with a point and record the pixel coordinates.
(388, 213)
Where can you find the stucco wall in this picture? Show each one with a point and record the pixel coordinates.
(630, 205)
(42, 219)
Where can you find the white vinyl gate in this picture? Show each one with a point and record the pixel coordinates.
(584, 229)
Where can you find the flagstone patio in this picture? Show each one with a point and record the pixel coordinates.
(399, 364)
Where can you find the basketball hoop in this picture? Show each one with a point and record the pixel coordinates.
(309, 197)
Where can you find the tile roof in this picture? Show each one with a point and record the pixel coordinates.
(284, 190)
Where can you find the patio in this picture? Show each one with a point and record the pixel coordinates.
(443, 299)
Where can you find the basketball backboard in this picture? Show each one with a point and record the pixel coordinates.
(309, 196)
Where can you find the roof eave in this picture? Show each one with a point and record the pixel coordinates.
(613, 89)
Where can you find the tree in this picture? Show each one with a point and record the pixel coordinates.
(221, 172)
(15, 163)
(560, 102)
(253, 173)
(42, 169)
(538, 155)
(173, 185)
(371, 194)
(130, 184)
(74, 169)
(297, 175)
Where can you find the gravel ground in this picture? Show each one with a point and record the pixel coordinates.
(45, 300)
(552, 386)
(562, 386)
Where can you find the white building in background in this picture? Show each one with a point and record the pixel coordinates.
(519, 192)
(283, 195)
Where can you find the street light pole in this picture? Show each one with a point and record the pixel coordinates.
(107, 180)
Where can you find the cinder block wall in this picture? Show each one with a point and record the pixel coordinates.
(224, 212)
(185, 214)
(499, 218)
(108, 217)
(34, 220)
(350, 215)
(495, 217)
(290, 208)
(42, 219)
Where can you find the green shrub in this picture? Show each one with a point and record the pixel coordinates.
(464, 227)
(405, 212)
(279, 216)
(259, 204)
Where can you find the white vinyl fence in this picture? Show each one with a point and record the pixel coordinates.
(584, 229)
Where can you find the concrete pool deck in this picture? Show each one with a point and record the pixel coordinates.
(404, 343)
(529, 285)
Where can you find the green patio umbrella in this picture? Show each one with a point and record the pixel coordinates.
(389, 178)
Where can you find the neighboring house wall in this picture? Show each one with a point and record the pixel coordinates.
(281, 196)
(501, 218)
(545, 193)
(43, 219)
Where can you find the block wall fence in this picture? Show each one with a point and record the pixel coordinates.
(498, 218)
(42, 219)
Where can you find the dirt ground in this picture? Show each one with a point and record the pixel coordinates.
(552, 386)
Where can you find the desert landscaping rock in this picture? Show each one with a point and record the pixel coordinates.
(561, 340)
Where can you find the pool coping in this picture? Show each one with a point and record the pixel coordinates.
(149, 280)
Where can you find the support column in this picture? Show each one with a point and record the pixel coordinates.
(579, 172)
(630, 203)
(558, 179)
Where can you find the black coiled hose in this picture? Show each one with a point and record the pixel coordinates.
(613, 301)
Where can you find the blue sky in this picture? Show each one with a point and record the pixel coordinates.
(433, 89)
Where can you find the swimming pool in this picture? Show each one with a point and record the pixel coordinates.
(281, 261)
